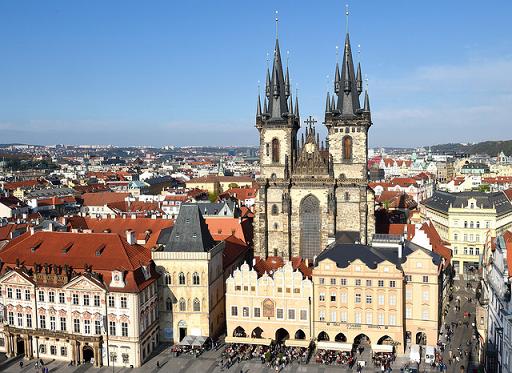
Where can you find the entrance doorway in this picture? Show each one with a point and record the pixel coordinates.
(183, 333)
(20, 345)
(87, 353)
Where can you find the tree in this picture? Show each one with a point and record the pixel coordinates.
(233, 185)
(213, 197)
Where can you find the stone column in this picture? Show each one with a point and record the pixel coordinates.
(15, 344)
(73, 350)
(30, 348)
(8, 347)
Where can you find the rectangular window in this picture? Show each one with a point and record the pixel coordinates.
(333, 281)
(86, 299)
(52, 322)
(42, 349)
(111, 301)
(380, 318)
(343, 316)
(18, 293)
(42, 321)
(257, 312)
(126, 358)
(408, 278)
(425, 279)
(9, 293)
(477, 251)
(321, 315)
(53, 350)
(112, 327)
(29, 320)
(41, 296)
(63, 351)
(295, 291)
(96, 301)
(343, 297)
(343, 282)
(63, 325)
(425, 314)
(357, 319)
(279, 313)
(380, 299)
(358, 282)
(51, 297)
(368, 282)
(10, 316)
(408, 313)
(303, 315)
(234, 311)
(61, 298)
(368, 299)
(321, 297)
(245, 311)
(291, 314)
(97, 327)
(392, 284)
(76, 325)
(124, 329)
(124, 302)
(75, 299)
(20, 320)
(333, 297)
(87, 326)
(369, 318)
(27, 294)
(358, 298)
(392, 319)
(333, 316)
(380, 283)
(321, 280)
(392, 300)
(426, 295)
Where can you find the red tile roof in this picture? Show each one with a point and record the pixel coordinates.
(23, 184)
(116, 254)
(401, 228)
(438, 245)
(272, 263)
(103, 198)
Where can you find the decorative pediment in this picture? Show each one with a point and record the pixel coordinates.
(82, 283)
(117, 280)
(16, 278)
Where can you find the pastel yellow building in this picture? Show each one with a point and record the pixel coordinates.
(466, 221)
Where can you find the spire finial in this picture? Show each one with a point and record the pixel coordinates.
(346, 15)
(268, 60)
(287, 57)
(359, 52)
(277, 24)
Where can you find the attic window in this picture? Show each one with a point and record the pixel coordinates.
(194, 235)
(66, 248)
(36, 246)
(187, 220)
(100, 249)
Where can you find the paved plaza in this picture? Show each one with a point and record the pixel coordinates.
(208, 361)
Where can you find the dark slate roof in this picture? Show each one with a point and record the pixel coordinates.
(441, 201)
(190, 232)
(213, 208)
(344, 254)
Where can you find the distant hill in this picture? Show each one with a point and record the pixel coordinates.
(491, 148)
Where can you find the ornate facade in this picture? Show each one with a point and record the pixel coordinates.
(311, 194)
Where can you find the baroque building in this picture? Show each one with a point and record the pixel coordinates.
(311, 193)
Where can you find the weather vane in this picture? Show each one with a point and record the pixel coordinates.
(346, 14)
(277, 23)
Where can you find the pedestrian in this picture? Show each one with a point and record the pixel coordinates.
(158, 364)
(21, 364)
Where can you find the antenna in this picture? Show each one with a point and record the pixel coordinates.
(346, 15)
(277, 23)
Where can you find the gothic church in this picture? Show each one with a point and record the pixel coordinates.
(310, 194)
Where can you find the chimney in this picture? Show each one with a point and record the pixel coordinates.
(130, 236)
(400, 248)
(31, 231)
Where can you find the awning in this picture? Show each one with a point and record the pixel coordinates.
(249, 341)
(187, 340)
(199, 340)
(335, 346)
(297, 343)
(382, 348)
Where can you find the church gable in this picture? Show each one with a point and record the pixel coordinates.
(15, 278)
(82, 283)
(312, 160)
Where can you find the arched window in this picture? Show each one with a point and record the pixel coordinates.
(167, 279)
(183, 305)
(347, 148)
(275, 210)
(181, 278)
(168, 304)
(275, 150)
(195, 278)
(347, 196)
(197, 305)
(267, 148)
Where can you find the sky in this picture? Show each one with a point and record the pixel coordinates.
(187, 72)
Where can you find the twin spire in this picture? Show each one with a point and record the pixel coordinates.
(278, 100)
(348, 86)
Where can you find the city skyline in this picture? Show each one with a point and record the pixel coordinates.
(169, 74)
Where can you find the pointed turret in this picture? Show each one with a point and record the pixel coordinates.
(333, 104)
(366, 102)
(348, 100)
(265, 108)
(258, 108)
(267, 87)
(290, 105)
(337, 79)
(278, 100)
(287, 83)
(359, 79)
(297, 106)
(328, 103)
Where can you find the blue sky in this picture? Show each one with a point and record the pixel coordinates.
(187, 72)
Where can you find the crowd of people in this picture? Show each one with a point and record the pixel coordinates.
(330, 357)
(383, 360)
(275, 356)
